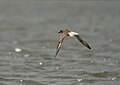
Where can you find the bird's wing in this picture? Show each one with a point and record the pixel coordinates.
(83, 41)
(59, 44)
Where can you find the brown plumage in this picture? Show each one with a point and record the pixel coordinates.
(66, 32)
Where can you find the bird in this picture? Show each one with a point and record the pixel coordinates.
(67, 32)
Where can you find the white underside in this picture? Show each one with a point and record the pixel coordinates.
(71, 34)
(59, 45)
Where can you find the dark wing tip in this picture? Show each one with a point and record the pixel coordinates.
(83, 41)
(89, 47)
(55, 55)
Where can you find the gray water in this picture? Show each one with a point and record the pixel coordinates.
(32, 27)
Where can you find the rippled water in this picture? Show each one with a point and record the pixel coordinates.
(28, 35)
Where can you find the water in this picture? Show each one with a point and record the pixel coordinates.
(28, 35)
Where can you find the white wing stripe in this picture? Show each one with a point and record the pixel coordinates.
(71, 34)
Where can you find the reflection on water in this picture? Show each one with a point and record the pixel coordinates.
(28, 35)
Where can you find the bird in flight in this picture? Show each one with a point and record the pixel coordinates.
(67, 32)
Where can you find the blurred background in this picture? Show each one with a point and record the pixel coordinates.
(28, 36)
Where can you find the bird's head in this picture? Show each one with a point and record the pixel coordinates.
(61, 31)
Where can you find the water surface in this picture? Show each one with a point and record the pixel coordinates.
(32, 27)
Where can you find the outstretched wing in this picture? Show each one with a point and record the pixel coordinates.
(59, 44)
(83, 41)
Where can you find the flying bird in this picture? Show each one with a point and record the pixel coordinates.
(67, 32)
